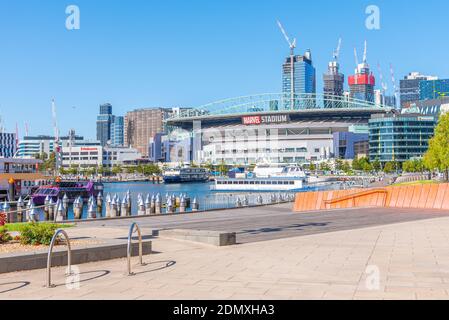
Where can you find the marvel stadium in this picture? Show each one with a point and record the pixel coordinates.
(274, 127)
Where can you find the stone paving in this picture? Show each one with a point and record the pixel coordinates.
(411, 258)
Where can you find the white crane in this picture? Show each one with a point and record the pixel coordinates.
(292, 46)
(365, 51)
(383, 84)
(356, 57)
(57, 149)
(395, 88)
(337, 51)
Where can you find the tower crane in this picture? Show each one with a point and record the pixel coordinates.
(383, 84)
(337, 51)
(292, 46)
(395, 88)
(57, 148)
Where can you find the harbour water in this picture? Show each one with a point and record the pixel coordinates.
(208, 200)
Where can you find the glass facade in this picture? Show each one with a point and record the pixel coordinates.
(104, 120)
(433, 89)
(400, 138)
(117, 131)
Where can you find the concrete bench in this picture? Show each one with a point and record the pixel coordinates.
(215, 238)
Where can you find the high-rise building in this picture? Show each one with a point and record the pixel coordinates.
(361, 84)
(141, 125)
(399, 137)
(104, 120)
(304, 77)
(433, 89)
(333, 84)
(410, 88)
(7, 144)
(117, 131)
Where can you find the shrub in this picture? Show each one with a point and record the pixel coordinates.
(4, 235)
(38, 233)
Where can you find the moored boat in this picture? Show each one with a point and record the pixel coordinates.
(185, 175)
(73, 190)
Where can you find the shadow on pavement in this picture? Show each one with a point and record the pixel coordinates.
(21, 284)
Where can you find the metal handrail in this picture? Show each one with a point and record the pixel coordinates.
(50, 251)
(134, 225)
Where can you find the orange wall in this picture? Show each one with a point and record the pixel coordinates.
(425, 196)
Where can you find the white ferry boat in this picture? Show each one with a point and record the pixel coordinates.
(258, 184)
(278, 170)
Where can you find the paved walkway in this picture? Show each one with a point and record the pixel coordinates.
(275, 222)
(411, 261)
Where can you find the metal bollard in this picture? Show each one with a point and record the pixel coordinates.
(108, 205)
(46, 202)
(182, 204)
(158, 204)
(7, 211)
(195, 205)
(20, 209)
(113, 212)
(51, 210)
(60, 212)
(141, 207)
(245, 201)
(148, 205)
(259, 200)
(33, 214)
(169, 208)
(153, 205)
(27, 211)
(76, 210)
(65, 204)
(99, 205)
(92, 211)
(129, 204)
(124, 208)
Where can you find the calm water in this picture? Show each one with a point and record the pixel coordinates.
(208, 199)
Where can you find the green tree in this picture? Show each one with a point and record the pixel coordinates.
(390, 167)
(346, 167)
(367, 167)
(377, 166)
(116, 170)
(338, 164)
(324, 166)
(223, 169)
(437, 156)
(312, 166)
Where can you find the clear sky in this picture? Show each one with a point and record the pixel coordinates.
(147, 53)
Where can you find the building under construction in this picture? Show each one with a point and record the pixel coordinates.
(333, 81)
(361, 84)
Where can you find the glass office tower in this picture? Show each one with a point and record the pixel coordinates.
(399, 137)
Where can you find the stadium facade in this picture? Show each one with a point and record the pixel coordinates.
(261, 129)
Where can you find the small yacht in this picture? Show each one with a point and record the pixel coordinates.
(279, 170)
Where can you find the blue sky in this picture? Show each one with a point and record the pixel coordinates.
(146, 53)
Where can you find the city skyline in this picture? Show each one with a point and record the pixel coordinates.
(159, 58)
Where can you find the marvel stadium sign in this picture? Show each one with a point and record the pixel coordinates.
(258, 120)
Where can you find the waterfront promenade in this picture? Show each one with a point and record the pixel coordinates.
(328, 255)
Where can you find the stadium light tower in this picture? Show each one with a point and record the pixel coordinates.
(292, 46)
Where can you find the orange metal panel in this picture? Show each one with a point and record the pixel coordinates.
(442, 189)
(373, 199)
(401, 196)
(319, 200)
(415, 198)
(425, 190)
(307, 201)
(393, 197)
(445, 204)
(311, 201)
(337, 194)
(408, 196)
(302, 203)
(330, 196)
(432, 196)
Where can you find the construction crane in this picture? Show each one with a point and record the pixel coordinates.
(365, 52)
(292, 46)
(57, 148)
(337, 51)
(395, 88)
(383, 84)
(356, 57)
